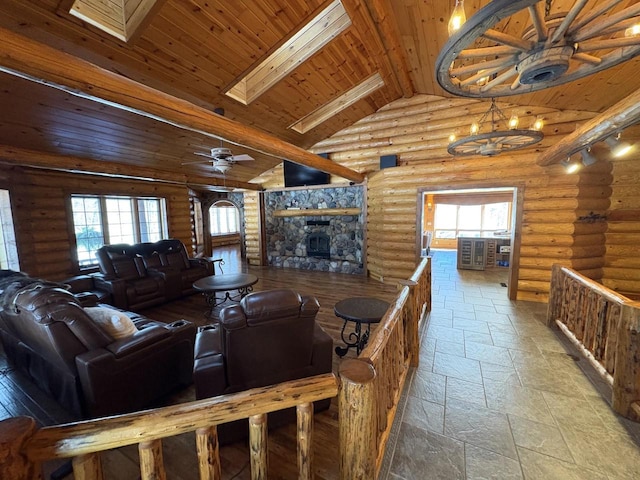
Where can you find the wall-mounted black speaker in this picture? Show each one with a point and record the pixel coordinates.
(387, 161)
(324, 155)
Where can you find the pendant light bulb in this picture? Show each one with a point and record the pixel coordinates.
(474, 129)
(457, 19)
(513, 122)
(538, 124)
(452, 138)
(632, 31)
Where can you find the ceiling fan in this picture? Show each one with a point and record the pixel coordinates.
(221, 157)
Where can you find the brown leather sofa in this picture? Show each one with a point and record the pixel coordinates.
(270, 337)
(147, 274)
(48, 335)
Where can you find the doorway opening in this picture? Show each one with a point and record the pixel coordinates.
(479, 224)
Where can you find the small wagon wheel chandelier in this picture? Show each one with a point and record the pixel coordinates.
(497, 140)
(480, 61)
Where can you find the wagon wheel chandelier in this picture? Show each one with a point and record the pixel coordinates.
(496, 140)
(481, 61)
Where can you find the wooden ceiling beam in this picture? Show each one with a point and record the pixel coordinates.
(34, 61)
(385, 19)
(66, 163)
(370, 36)
(616, 118)
(312, 37)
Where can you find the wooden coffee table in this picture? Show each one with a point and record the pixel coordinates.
(358, 310)
(228, 283)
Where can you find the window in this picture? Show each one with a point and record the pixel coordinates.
(224, 219)
(102, 220)
(8, 248)
(452, 221)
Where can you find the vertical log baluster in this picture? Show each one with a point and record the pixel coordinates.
(626, 379)
(87, 467)
(151, 463)
(411, 316)
(614, 323)
(305, 441)
(258, 445)
(358, 429)
(208, 453)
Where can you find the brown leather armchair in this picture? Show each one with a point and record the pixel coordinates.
(50, 336)
(270, 337)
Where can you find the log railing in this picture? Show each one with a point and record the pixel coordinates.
(371, 384)
(370, 390)
(24, 448)
(605, 326)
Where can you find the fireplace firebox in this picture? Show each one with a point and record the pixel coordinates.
(318, 245)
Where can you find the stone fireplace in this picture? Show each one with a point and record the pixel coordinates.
(300, 236)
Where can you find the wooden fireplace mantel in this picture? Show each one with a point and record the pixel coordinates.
(315, 212)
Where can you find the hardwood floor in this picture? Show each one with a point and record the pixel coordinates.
(19, 396)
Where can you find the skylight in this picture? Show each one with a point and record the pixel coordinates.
(338, 104)
(119, 18)
(332, 21)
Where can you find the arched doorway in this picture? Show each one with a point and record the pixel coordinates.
(224, 224)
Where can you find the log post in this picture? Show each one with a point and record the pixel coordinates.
(14, 434)
(208, 453)
(358, 425)
(626, 376)
(258, 446)
(412, 340)
(555, 295)
(151, 463)
(305, 441)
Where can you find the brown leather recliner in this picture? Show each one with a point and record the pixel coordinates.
(270, 337)
(49, 335)
(147, 274)
(179, 270)
(124, 275)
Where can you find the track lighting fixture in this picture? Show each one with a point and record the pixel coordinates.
(618, 148)
(570, 166)
(587, 157)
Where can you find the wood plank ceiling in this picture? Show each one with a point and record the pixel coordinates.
(197, 50)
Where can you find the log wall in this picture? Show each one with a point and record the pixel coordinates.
(417, 130)
(252, 234)
(44, 227)
(622, 259)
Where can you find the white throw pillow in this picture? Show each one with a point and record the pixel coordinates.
(113, 322)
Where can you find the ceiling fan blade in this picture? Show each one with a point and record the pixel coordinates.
(202, 162)
(203, 154)
(240, 158)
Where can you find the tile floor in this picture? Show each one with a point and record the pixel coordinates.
(498, 395)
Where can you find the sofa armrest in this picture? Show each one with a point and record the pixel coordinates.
(208, 367)
(202, 262)
(115, 286)
(142, 338)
